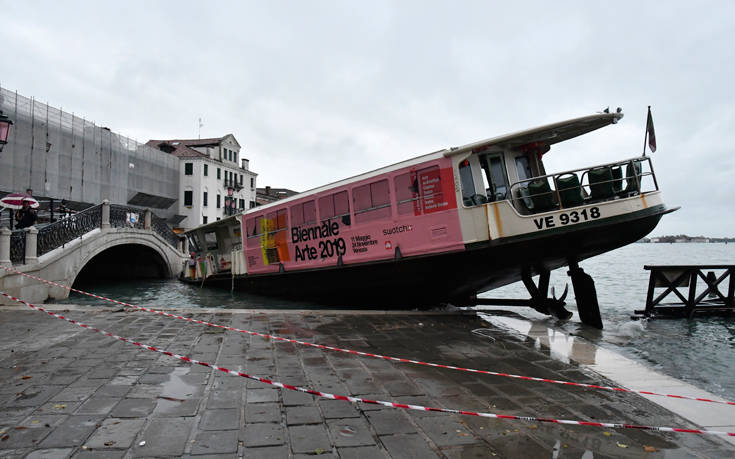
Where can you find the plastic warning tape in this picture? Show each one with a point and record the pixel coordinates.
(377, 356)
(365, 400)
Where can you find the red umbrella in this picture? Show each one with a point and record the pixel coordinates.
(15, 201)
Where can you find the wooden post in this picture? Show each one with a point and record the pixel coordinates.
(649, 295)
(689, 311)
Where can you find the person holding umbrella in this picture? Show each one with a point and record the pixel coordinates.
(20, 201)
(25, 216)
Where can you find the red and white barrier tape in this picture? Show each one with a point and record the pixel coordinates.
(368, 401)
(378, 356)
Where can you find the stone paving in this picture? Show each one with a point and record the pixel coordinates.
(68, 392)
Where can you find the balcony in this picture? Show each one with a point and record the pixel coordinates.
(234, 184)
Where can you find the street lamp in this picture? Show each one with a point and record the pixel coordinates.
(5, 124)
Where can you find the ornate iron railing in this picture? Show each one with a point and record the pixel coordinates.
(160, 227)
(18, 246)
(130, 217)
(63, 231)
(67, 229)
(126, 217)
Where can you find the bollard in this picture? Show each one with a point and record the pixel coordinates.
(31, 245)
(105, 215)
(5, 247)
(147, 221)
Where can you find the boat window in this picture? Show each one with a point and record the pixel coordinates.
(210, 238)
(524, 168)
(276, 221)
(303, 214)
(273, 242)
(253, 228)
(194, 243)
(494, 170)
(335, 205)
(407, 193)
(468, 183)
(372, 201)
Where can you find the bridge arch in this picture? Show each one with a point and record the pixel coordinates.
(123, 261)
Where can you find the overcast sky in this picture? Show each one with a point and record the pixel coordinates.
(316, 91)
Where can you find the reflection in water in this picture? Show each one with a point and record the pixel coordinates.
(562, 346)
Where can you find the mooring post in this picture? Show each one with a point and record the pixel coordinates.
(105, 215)
(5, 248)
(31, 245)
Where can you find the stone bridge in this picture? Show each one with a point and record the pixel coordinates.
(107, 241)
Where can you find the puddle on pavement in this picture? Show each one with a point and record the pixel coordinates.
(175, 391)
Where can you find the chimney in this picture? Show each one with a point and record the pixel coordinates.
(268, 190)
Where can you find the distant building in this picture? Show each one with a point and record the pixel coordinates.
(73, 162)
(267, 195)
(214, 181)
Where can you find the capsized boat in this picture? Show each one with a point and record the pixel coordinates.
(440, 228)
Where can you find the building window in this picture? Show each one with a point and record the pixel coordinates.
(206, 170)
(235, 156)
(204, 219)
(188, 197)
(252, 204)
(219, 173)
(204, 199)
(241, 180)
(242, 203)
(188, 168)
(218, 200)
(252, 182)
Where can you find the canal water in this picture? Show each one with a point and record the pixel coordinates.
(700, 351)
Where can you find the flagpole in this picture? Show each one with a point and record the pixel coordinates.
(645, 137)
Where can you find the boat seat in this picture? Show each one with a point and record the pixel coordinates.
(540, 193)
(601, 183)
(525, 198)
(617, 174)
(570, 191)
(631, 186)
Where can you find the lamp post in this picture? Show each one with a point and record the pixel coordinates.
(228, 200)
(5, 124)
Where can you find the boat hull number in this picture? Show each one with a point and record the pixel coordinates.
(567, 218)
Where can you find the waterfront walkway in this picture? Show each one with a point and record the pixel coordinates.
(70, 392)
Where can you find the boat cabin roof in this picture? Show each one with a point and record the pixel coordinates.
(541, 137)
(546, 135)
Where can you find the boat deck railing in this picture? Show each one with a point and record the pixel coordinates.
(579, 187)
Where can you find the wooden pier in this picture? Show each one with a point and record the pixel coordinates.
(706, 299)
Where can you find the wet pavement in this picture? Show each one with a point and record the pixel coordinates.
(70, 392)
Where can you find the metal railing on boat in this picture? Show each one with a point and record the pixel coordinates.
(601, 183)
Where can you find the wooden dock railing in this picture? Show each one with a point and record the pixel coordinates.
(709, 298)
